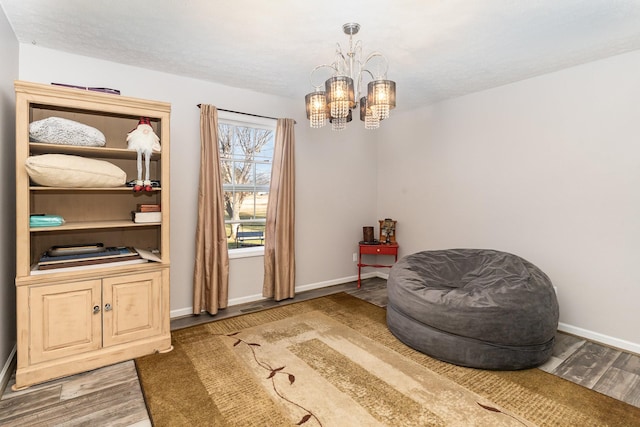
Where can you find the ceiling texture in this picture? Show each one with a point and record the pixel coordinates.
(437, 49)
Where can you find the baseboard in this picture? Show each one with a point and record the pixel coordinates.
(600, 338)
(334, 282)
(181, 312)
(7, 370)
(187, 311)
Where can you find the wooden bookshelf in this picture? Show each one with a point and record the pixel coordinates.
(74, 320)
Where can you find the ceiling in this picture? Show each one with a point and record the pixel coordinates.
(437, 49)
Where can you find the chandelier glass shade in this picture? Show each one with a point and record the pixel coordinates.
(381, 96)
(371, 120)
(340, 123)
(316, 108)
(341, 92)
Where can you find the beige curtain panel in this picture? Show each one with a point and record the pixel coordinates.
(211, 270)
(279, 242)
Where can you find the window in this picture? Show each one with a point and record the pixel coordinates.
(246, 147)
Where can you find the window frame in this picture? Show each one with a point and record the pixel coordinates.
(246, 120)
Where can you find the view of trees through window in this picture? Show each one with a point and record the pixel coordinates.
(246, 153)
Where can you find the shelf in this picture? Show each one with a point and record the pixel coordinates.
(74, 189)
(91, 225)
(97, 152)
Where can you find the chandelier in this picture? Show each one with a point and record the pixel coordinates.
(336, 99)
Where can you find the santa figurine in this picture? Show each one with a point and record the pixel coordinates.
(144, 141)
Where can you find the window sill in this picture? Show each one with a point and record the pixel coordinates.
(246, 252)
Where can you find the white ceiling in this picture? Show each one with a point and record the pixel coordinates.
(437, 49)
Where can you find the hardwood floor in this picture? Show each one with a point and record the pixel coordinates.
(609, 371)
(111, 396)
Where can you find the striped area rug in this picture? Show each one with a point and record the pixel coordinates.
(331, 361)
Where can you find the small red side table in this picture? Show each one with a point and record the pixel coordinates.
(379, 249)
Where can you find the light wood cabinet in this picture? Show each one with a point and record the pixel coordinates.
(62, 320)
(130, 309)
(73, 320)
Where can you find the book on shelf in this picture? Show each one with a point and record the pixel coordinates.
(83, 248)
(35, 270)
(149, 255)
(144, 217)
(109, 255)
(53, 257)
(141, 207)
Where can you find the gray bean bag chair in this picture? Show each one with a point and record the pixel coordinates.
(473, 307)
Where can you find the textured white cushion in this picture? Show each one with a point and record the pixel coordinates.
(62, 170)
(56, 130)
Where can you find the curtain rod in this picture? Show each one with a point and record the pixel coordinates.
(248, 114)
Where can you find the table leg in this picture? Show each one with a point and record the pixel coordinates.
(359, 267)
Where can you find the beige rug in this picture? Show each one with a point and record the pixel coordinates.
(332, 362)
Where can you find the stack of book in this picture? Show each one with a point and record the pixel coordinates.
(53, 261)
(145, 213)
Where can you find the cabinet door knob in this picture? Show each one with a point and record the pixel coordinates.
(96, 309)
(107, 307)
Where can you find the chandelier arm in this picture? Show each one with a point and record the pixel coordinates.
(340, 62)
(368, 72)
(332, 66)
(360, 79)
(356, 59)
(359, 84)
(358, 47)
(377, 55)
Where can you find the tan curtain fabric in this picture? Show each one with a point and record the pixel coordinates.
(279, 242)
(211, 270)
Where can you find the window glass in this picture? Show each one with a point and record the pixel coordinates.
(246, 147)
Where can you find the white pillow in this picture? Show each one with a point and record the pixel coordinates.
(56, 130)
(63, 170)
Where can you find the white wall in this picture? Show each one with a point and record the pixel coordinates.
(336, 174)
(547, 168)
(8, 73)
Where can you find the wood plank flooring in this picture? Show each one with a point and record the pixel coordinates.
(111, 396)
(609, 371)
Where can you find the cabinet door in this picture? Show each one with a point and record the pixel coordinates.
(63, 320)
(131, 307)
